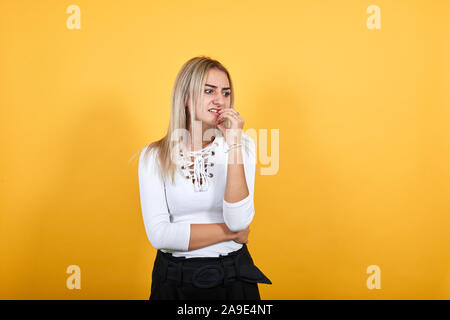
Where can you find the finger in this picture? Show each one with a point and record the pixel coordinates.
(225, 115)
(229, 111)
(232, 111)
(221, 128)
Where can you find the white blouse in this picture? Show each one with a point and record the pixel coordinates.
(197, 197)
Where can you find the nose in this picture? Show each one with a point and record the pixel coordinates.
(219, 101)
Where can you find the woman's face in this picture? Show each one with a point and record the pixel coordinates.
(215, 95)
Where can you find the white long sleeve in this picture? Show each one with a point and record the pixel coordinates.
(161, 233)
(239, 215)
(196, 197)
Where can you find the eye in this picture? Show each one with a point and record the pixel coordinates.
(226, 94)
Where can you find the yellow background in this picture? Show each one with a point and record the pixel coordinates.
(363, 116)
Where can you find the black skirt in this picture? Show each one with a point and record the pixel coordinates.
(227, 277)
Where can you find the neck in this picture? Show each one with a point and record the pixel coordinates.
(197, 132)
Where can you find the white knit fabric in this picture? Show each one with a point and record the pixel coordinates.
(197, 197)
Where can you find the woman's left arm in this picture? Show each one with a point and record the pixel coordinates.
(236, 187)
(238, 206)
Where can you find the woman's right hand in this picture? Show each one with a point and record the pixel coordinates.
(242, 236)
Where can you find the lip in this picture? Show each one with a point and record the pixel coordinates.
(215, 110)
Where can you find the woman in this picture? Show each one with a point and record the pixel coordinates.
(196, 189)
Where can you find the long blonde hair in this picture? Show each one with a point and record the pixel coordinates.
(189, 83)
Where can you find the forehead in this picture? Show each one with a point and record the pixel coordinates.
(218, 78)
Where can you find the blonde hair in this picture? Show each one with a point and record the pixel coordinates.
(189, 83)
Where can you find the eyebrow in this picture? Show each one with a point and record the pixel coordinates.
(215, 86)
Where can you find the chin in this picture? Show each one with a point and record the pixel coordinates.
(212, 123)
(208, 122)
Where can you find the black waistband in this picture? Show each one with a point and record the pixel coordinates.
(210, 271)
(231, 255)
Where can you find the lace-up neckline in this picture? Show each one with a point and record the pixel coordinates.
(197, 169)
